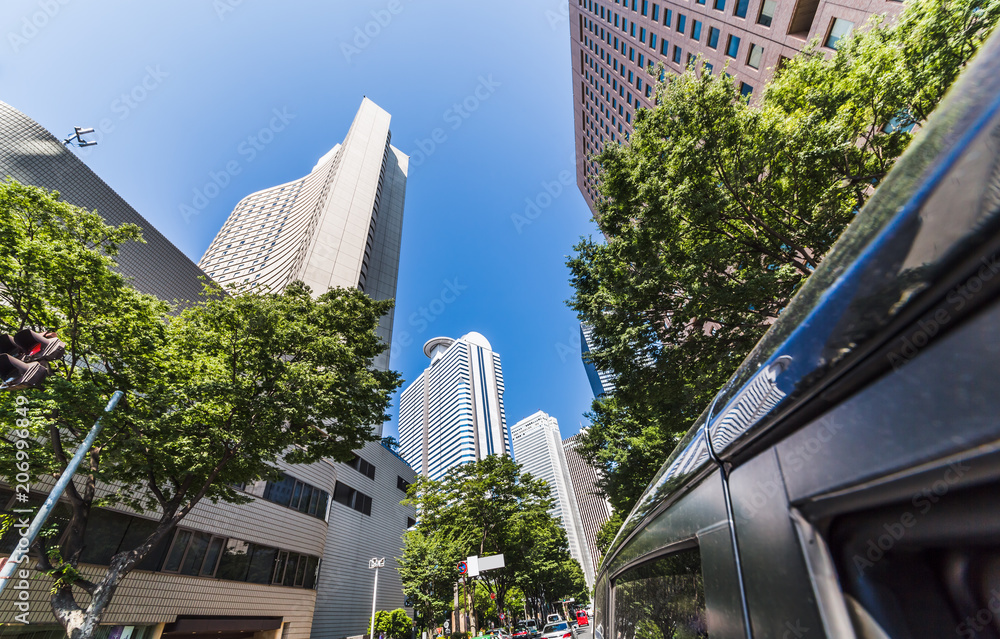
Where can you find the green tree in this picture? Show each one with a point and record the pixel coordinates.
(394, 624)
(489, 507)
(716, 211)
(428, 570)
(215, 395)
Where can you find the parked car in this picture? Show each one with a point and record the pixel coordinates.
(553, 618)
(581, 618)
(558, 630)
(499, 633)
(844, 482)
(526, 628)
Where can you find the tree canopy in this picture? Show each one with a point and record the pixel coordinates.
(716, 210)
(215, 395)
(486, 508)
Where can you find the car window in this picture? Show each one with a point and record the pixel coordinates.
(552, 627)
(665, 594)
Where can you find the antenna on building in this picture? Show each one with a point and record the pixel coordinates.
(75, 137)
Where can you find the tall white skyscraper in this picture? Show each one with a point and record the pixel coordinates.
(453, 413)
(341, 225)
(538, 448)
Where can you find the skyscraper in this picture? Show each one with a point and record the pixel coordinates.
(538, 448)
(613, 43)
(341, 225)
(602, 382)
(453, 412)
(594, 508)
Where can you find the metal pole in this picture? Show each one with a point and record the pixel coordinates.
(374, 595)
(28, 537)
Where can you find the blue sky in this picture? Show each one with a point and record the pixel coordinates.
(179, 86)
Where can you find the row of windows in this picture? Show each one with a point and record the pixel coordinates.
(296, 495)
(186, 552)
(199, 554)
(363, 467)
(344, 494)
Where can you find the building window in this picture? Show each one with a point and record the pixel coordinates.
(767, 12)
(708, 68)
(696, 30)
(402, 484)
(363, 467)
(733, 47)
(713, 37)
(645, 6)
(642, 35)
(719, 5)
(838, 29)
(344, 494)
(741, 8)
(677, 54)
(641, 61)
(652, 41)
(745, 89)
(681, 22)
(656, 12)
(297, 495)
(753, 60)
(663, 47)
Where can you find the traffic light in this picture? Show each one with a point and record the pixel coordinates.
(24, 358)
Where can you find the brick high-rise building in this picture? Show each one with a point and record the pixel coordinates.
(614, 41)
(594, 509)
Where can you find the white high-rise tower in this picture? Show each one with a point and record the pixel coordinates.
(453, 413)
(341, 225)
(538, 448)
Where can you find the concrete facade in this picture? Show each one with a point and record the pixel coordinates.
(340, 225)
(538, 448)
(594, 508)
(453, 413)
(612, 42)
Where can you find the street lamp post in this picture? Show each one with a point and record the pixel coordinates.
(376, 564)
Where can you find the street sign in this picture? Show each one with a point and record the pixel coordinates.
(376, 563)
(479, 564)
(463, 567)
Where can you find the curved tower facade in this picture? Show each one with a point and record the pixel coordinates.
(341, 225)
(453, 413)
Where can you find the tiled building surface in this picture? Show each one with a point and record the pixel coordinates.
(594, 509)
(32, 155)
(613, 43)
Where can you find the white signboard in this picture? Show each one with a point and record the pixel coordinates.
(479, 564)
